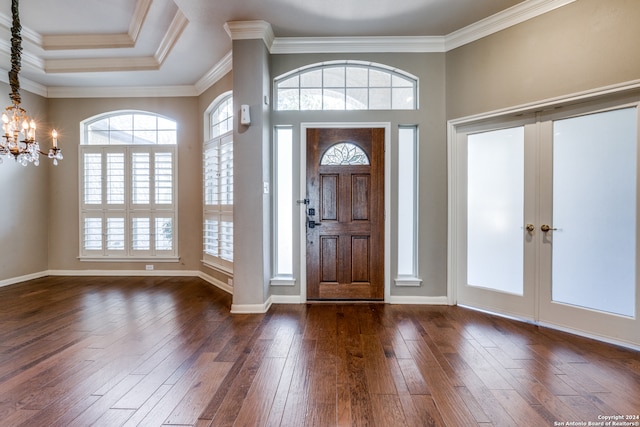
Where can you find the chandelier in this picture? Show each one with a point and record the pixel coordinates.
(19, 130)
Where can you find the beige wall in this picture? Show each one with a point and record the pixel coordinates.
(584, 45)
(63, 208)
(24, 202)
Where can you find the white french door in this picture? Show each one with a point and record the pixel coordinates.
(546, 220)
(495, 252)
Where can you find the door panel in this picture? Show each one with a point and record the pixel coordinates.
(495, 246)
(345, 214)
(588, 254)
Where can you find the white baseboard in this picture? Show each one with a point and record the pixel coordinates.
(178, 273)
(286, 299)
(581, 333)
(215, 282)
(251, 308)
(443, 300)
(14, 280)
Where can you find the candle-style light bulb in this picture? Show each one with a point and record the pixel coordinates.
(54, 135)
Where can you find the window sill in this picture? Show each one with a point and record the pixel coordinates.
(283, 281)
(408, 282)
(217, 267)
(128, 259)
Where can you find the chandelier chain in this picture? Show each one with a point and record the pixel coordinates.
(16, 53)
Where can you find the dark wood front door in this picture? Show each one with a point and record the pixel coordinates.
(345, 214)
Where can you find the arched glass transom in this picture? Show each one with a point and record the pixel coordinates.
(344, 154)
(347, 85)
(130, 128)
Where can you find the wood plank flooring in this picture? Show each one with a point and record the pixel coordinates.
(115, 351)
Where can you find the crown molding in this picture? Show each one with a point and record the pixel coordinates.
(502, 20)
(250, 30)
(177, 26)
(100, 41)
(94, 65)
(221, 69)
(123, 63)
(138, 18)
(418, 44)
(121, 92)
(25, 84)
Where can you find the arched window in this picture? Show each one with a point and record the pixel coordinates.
(346, 85)
(128, 187)
(218, 185)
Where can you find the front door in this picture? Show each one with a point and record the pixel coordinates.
(345, 214)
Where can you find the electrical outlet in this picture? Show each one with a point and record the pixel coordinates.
(149, 267)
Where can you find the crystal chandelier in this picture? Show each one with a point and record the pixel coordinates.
(19, 130)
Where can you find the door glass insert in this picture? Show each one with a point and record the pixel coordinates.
(594, 211)
(344, 154)
(495, 210)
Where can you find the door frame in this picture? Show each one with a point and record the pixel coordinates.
(604, 98)
(303, 195)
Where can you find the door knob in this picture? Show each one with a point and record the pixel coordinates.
(546, 228)
(530, 228)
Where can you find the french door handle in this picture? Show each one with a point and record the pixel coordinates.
(530, 228)
(546, 228)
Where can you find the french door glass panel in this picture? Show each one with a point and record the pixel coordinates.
(594, 211)
(495, 210)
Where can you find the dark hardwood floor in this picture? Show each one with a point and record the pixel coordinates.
(111, 351)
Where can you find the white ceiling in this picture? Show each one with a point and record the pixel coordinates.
(177, 43)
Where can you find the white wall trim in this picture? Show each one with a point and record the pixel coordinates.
(407, 300)
(286, 299)
(417, 44)
(584, 334)
(251, 308)
(178, 273)
(551, 103)
(250, 30)
(407, 281)
(120, 92)
(136, 273)
(97, 41)
(502, 20)
(215, 282)
(221, 69)
(283, 281)
(19, 279)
